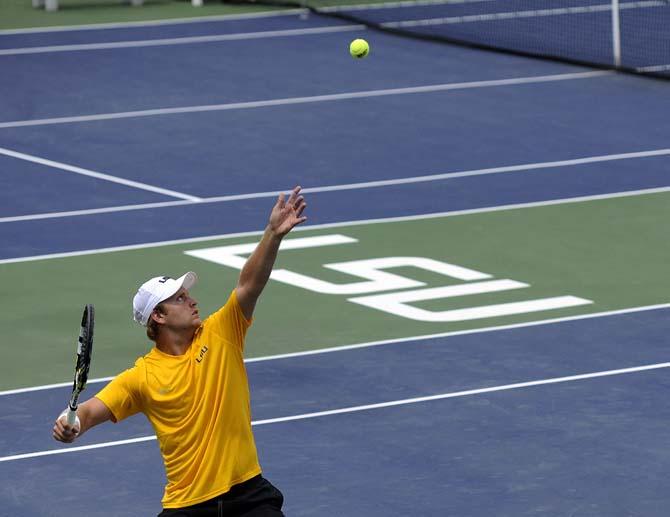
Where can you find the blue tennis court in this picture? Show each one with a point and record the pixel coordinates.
(124, 149)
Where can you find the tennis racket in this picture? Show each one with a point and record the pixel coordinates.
(84, 352)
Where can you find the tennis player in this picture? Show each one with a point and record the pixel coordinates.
(193, 388)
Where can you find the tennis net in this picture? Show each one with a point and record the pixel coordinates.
(632, 36)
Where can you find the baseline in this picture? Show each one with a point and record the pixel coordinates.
(366, 407)
(398, 374)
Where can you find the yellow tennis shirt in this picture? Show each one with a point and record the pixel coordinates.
(198, 404)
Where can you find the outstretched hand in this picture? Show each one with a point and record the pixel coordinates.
(287, 213)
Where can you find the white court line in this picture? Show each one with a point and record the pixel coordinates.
(110, 209)
(347, 186)
(396, 5)
(367, 407)
(57, 385)
(97, 175)
(306, 100)
(180, 41)
(654, 68)
(383, 342)
(152, 23)
(455, 213)
(227, 17)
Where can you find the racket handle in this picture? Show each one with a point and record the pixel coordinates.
(71, 416)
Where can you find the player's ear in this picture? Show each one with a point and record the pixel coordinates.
(157, 315)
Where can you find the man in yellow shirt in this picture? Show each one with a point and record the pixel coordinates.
(192, 386)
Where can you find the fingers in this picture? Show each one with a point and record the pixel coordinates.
(294, 194)
(300, 206)
(291, 199)
(62, 432)
(280, 200)
(297, 202)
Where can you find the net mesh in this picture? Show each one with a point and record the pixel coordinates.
(631, 36)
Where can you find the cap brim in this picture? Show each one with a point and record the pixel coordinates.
(186, 281)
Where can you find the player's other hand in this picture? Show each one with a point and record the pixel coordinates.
(64, 432)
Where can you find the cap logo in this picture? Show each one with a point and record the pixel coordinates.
(165, 279)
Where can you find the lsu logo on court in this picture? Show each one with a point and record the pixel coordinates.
(395, 294)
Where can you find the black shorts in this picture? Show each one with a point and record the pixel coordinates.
(256, 497)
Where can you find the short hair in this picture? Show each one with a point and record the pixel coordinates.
(152, 326)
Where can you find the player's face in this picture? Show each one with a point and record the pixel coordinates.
(181, 311)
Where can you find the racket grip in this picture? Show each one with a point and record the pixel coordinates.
(71, 417)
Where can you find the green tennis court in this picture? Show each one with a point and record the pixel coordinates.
(611, 252)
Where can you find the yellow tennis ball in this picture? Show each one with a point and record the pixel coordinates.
(359, 48)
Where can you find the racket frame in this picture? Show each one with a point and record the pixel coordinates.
(84, 354)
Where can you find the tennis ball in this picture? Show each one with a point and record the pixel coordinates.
(359, 48)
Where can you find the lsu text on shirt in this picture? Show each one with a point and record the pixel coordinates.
(199, 406)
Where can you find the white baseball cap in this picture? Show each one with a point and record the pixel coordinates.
(154, 291)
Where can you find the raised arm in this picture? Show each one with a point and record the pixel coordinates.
(286, 214)
(90, 413)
